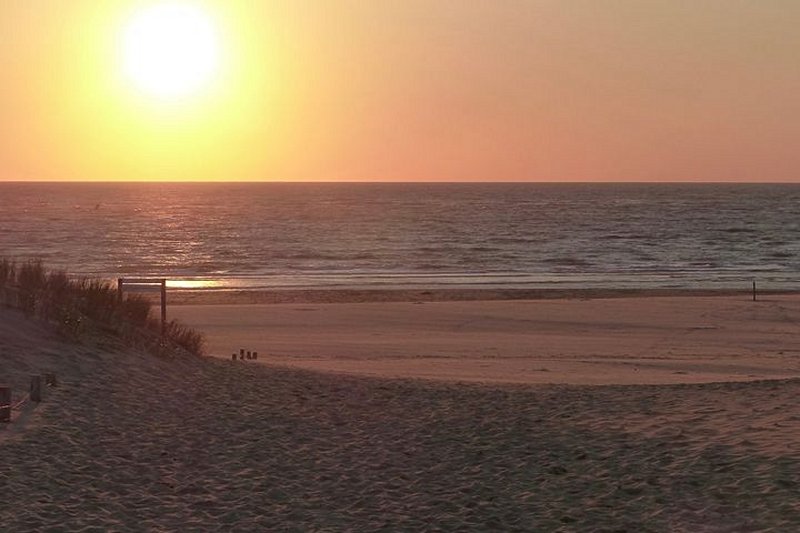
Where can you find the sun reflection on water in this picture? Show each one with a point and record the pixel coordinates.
(193, 284)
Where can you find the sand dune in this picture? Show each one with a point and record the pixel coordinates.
(130, 442)
(577, 341)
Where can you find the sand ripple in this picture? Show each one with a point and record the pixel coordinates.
(134, 443)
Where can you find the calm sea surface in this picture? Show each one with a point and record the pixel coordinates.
(422, 235)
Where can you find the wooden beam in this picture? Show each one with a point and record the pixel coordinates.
(143, 281)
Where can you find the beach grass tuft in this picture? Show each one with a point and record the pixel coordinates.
(187, 338)
(77, 307)
(8, 271)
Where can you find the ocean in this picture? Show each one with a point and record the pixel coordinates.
(348, 235)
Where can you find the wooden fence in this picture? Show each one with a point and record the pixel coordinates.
(39, 384)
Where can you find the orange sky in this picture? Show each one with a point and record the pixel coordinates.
(407, 90)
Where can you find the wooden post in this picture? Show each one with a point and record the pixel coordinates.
(163, 305)
(36, 388)
(255, 355)
(754, 290)
(249, 354)
(5, 403)
(233, 357)
(50, 380)
(241, 354)
(120, 282)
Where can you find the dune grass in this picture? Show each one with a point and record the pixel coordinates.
(78, 307)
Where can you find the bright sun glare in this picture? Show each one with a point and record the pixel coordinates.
(170, 49)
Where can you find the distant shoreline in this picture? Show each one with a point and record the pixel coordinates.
(288, 296)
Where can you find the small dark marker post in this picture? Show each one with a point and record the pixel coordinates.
(754, 290)
(241, 354)
(255, 355)
(36, 388)
(249, 354)
(5, 404)
(233, 357)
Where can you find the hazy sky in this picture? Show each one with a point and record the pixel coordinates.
(445, 90)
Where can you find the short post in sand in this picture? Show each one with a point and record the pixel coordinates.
(5, 403)
(255, 355)
(233, 356)
(36, 388)
(754, 290)
(241, 354)
(163, 305)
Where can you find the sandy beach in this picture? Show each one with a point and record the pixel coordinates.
(579, 340)
(130, 442)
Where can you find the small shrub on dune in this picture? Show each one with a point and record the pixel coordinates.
(8, 278)
(8, 272)
(31, 280)
(31, 276)
(57, 294)
(60, 305)
(184, 337)
(58, 286)
(69, 322)
(98, 300)
(136, 310)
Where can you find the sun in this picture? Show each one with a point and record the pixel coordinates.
(170, 49)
